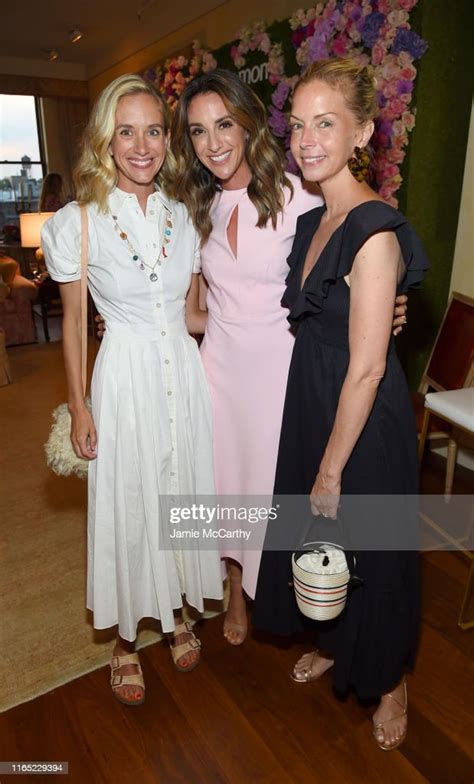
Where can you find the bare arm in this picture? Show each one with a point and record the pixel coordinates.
(196, 318)
(83, 434)
(373, 282)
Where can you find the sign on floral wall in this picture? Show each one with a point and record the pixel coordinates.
(269, 59)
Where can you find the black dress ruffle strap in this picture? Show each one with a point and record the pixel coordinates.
(361, 223)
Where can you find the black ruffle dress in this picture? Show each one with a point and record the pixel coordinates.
(375, 638)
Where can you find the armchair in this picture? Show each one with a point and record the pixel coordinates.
(16, 318)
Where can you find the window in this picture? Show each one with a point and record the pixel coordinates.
(22, 164)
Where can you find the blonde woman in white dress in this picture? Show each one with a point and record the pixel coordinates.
(149, 435)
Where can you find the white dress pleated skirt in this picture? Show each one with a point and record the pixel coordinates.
(151, 407)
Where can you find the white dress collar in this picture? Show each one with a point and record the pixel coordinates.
(118, 199)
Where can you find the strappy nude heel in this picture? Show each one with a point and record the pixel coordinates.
(381, 724)
(178, 651)
(116, 681)
(307, 677)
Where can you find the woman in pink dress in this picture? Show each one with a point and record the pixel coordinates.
(245, 206)
(232, 180)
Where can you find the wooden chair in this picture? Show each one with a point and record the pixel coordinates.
(450, 366)
(443, 412)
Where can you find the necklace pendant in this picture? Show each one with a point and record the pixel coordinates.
(142, 266)
(153, 277)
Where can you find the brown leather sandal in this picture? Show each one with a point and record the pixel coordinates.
(178, 651)
(116, 681)
(381, 724)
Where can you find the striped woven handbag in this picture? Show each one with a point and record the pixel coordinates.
(321, 578)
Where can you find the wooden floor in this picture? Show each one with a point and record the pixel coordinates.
(239, 718)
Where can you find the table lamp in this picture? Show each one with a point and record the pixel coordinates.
(31, 224)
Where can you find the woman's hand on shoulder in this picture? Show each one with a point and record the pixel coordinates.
(325, 495)
(83, 433)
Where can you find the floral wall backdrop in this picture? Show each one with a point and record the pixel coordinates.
(269, 58)
(429, 88)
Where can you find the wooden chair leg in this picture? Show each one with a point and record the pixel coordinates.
(463, 621)
(44, 313)
(450, 466)
(423, 434)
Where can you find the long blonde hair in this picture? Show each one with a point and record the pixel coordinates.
(95, 174)
(195, 185)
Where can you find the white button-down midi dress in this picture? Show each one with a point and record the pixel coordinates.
(150, 405)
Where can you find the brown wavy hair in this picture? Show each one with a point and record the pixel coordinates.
(195, 185)
(95, 174)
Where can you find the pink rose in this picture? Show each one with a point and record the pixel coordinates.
(265, 44)
(397, 106)
(398, 142)
(378, 53)
(384, 7)
(339, 45)
(390, 89)
(404, 59)
(398, 18)
(409, 120)
(390, 170)
(395, 156)
(408, 73)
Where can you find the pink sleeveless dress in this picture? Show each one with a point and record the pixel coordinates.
(246, 350)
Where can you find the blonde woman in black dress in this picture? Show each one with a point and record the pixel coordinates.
(348, 426)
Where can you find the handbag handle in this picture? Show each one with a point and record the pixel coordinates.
(84, 254)
(331, 544)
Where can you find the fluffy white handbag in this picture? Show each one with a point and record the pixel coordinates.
(320, 579)
(60, 455)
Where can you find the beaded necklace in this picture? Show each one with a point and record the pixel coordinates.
(167, 234)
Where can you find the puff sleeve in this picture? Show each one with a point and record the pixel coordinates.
(61, 244)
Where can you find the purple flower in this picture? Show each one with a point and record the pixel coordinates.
(409, 41)
(291, 165)
(381, 100)
(383, 126)
(150, 74)
(280, 95)
(318, 47)
(404, 86)
(355, 14)
(371, 28)
(278, 122)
